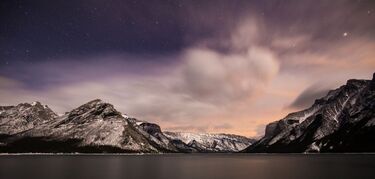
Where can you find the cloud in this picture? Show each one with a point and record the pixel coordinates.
(8, 83)
(205, 83)
(223, 78)
(246, 35)
(260, 130)
(309, 95)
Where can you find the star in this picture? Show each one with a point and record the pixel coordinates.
(345, 34)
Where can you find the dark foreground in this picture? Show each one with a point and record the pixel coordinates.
(189, 166)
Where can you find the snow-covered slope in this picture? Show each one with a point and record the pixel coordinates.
(205, 142)
(322, 127)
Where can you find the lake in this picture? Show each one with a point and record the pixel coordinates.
(189, 166)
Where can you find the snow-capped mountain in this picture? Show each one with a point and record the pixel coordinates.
(93, 127)
(15, 119)
(205, 142)
(342, 121)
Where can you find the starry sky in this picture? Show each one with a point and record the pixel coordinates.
(227, 66)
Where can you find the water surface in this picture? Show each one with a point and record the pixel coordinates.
(189, 166)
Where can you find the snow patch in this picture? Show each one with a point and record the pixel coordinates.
(139, 122)
(342, 108)
(313, 148)
(60, 114)
(125, 116)
(308, 114)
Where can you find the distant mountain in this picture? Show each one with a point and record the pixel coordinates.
(93, 127)
(154, 133)
(342, 121)
(204, 142)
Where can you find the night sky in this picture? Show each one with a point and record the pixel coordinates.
(202, 66)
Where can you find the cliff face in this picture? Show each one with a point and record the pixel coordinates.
(341, 121)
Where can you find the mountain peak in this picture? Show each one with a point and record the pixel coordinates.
(356, 83)
(95, 101)
(96, 107)
(36, 103)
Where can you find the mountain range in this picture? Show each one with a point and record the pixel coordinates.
(341, 121)
(97, 127)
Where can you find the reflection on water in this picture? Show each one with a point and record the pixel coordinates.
(189, 166)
